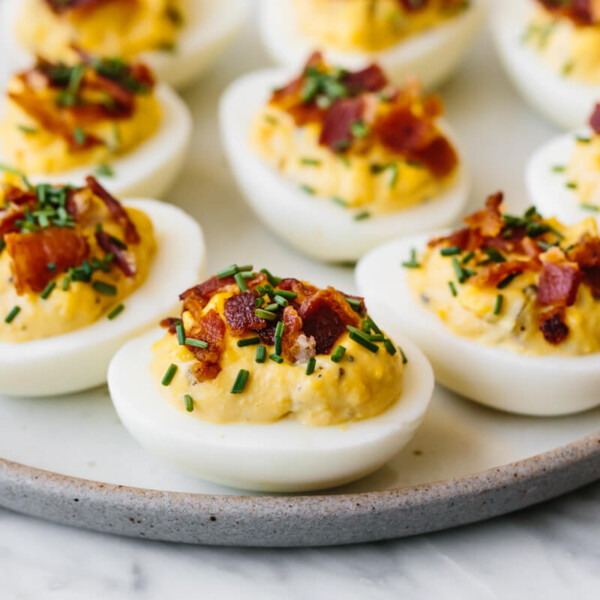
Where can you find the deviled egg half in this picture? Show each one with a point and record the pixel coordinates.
(179, 39)
(550, 49)
(271, 384)
(59, 122)
(80, 274)
(428, 39)
(563, 176)
(506, 309)
(336, 161)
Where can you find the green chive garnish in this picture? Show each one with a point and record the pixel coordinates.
(240, 381)
(591, 207)
(79, 136)
(308, 189)
(459, 271)
(452, 289)
(261, 354)
(404, 359)
(412, 263)
(51, 266)
(450, 251)
(230, 271)
(169, 374)
(361, 216)
(279, 329)
(468, 257)
(498, 304)
(259, 302)
(276, 358)
(286, 294)
(338, 354)
(10, 317)
(196, 343)
(280, 300)
(310, 162)
(104, 170)
(310, 367)
(248, 342)
(273, 280)
(340, 202)
(104, 288)
(507, 280)
(241, 282)
(389, 346)
(571, 185)
(189, 403)
(115, 312)
(271, 307)
(180, 333)
(359, 339)
(355, 304)
(26, 129)
(48, 290)
(265, 314)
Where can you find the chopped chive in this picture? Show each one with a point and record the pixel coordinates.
(189, 403)
(355, 304)
(276, 358)
(272, 307)
(104, 170)
(571, 185)
(498, 304)
(79, 136)
(404, 359)
(372, 325)
(248, 342)
(591, 207)
(265, 314)
(459, 271)
(494, 255)
(51, 266)
(308, 189)
(48, 290)
(26, 129)
(506, 281)
(359, 339)
(310, 367)
(261, 354)
(394, 178)
(259, 302)
(286, 294)
(340, 202)
(583, 139)
(452, 289)
(338, 354)
(2, 245)
(18, 173)
(272, 279)
(389, 346)
(559, 169)
(169, 374)
(279, 329)
(241, 282)
(228, 272)
(10, 317)
(310, 162)
(361, 216)
(195, 343)
(412, 263)
(240, 381)
(104, 288)
(280, 300)
(377, 337)
(450, 251)
(180, 333)
(115, 312)
(65, 283)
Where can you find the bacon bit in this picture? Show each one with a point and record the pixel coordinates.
(325, 316)
(553, 327)
(9, 218)
(492, 275)
(370, 79)
(595, 119)
(18, 196)
(62, 6)
(121, 256)
(586, 253)
(466, 239)
(240, 314)
(581, 12)
(211, 329)
(337, 125)
(169, 323)
(116, 210)
(433, 106)
(558, 284)
(31, 254)
(489, 220)
(296, 346)
(197, 297)
(303, 290)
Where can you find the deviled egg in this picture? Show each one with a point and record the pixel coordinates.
(505, 308)
(550, 49)
(336, 161)
(428, 39)
(79, 275)
(563, 177)
(271, 384)
(179, 39)
(60, 122)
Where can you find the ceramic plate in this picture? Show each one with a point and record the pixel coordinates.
(69, 460)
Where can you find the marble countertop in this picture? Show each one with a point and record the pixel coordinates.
(549, 552)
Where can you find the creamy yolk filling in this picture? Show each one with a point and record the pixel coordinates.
(370, 25)
(359, 385)
(368, 166)
(508, 314)
(44, 130)
(105, 27)
(79, 295)
(565, 47)
(583, 171)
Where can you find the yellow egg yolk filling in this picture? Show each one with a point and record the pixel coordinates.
(583, 171)
(370, 25)
(361, 385)
(107, 28)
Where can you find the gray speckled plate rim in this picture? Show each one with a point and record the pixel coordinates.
(298, 521)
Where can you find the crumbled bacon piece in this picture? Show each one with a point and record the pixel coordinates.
(295, 345)
(369, 79)
(595, 119)
(581, 12)
(337, 124)
(489, 220)
(211, 329)
(240, 313)
(495, 273)
(553, 327)
(116, 210)
(121, 257)
(169, 323)
(558, 284)
(586, 253)
(31, 253)
(62, 6)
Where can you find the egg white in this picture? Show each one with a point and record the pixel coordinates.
(315, 225)
(548, 189)
(209, 28)
(432, 55)
(564, 102)
(151, 168)
(285, 456)
(79, 360)
(539, 386)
